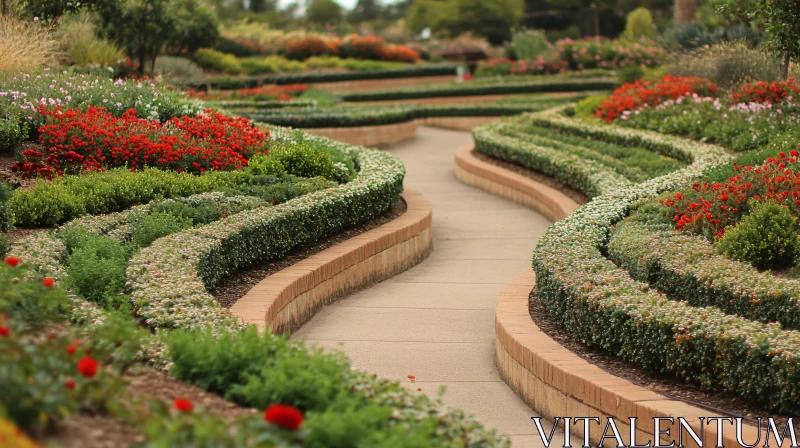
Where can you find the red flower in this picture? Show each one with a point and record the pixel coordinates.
(12, 261)
(70, 383)
(183, 405)
(87, 367)
(48, 282)
(284, 416)
(4, 331)
(71, 349)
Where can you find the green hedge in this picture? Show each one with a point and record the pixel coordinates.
(467, 89)
(600, 304)
(319, 77)
(168, 281)
(687, 267)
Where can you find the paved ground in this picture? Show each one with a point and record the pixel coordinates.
(436, 321)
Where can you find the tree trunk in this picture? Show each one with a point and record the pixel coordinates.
(785, 66)
(685, 11)
(2, 7)
(596, 22)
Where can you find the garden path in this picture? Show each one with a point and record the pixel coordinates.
(436, 320)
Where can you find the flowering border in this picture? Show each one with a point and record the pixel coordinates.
(168, 281)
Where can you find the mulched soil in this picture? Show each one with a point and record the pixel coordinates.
(575, 195)
(237, 285)
(6, 160)
(104, 431)
(718, 404)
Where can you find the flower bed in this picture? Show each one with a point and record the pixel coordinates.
(594, 52)
(640, 94)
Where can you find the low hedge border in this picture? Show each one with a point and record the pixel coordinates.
(687, 267)
(262, 105)
(552, 86)
(578, 172)
(319, 77)
(168, 281)
(601, 305)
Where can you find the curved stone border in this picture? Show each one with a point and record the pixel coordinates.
(541, 198)
(369, 135)
(287, 299)
(548, 377)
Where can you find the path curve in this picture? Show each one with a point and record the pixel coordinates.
(436, 321)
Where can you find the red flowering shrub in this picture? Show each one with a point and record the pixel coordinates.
(640, 94)
(302, 49)
(12, 261)
(399, 53)
(765, 92)
(76, 141)
(88, 366)
(712, 207)
(284, 416)
(505, 66)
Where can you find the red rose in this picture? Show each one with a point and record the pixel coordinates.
(71, 349)
(48, 282)
(88, 367)
(4, 331)
(70, 383)
(183, 405)
(12, 261)
(284, 416)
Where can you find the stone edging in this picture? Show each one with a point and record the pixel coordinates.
(548, 201)
(369, 135)
(287, 299)
(548, 377)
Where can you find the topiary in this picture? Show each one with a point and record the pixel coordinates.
(639, 23)
(767, 237)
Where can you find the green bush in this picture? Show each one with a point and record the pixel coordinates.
(28, 304)
(157, 225)
(96, 266)
(639, 23)
(12, 131)
(727, 64)
(178, 69)
(587, 106)
(5, 216)
(196, 214)
(4, 245)
(630, 74)
(767, 237)
(214, 60)
(530, 44)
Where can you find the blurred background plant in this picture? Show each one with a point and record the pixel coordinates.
(26, 46)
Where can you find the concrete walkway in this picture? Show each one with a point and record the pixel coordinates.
(436, 321)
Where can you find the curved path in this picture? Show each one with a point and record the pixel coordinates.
(436, 320)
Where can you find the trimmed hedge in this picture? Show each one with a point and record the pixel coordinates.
(468, 89)
(320, 77)
(687, 267)
(168, 281)
(601, 305)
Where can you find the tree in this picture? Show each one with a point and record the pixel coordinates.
(781, 21)
(142, 27)
(595, 5)
(685, 11)
(49, 11)
(323, 12)
(365, 11)
(196, 26)
(490, 19)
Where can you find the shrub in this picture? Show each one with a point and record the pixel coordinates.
(765, 92)
(594, 52)
(195, 26)
(25, 303)
(96, 266)
(727, 65)
(767, 237)
(5, 216)
(308, 46)
(587, 106)
(303, 159)
(157, 225)
(26, 46)
(82, 47)
(178, 69)
(630, 74)
(639, 94)
(639, 23)
(529, 45)
(4, 245)
(214, 60)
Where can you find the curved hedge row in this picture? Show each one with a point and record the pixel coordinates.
(320, 77)
(548, 85)
(601, 305)
(168, 281)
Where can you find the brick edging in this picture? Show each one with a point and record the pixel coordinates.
(551, 379)
(546, 200)
(287, 299)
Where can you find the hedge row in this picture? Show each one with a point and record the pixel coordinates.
(263, 105)
(467, 89)
(168, 281)
(320, 77)
(687, 267)
(601, 305)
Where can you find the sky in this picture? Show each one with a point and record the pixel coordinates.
(346, 4)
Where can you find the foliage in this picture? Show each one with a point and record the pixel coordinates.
(26, 46)
(529, 45)
(630, 74)
(505, 67)
(5, 215)
(50, 11)
(600, 52)
(586, 107)
(767, 237)
(303, 159)
(727, 65)
(179, 70)
(214, 60)
(83, 48)
(195, 26)
(96, 266)
(492, 20)
(323, 12)
(25, 303)
(639, 22)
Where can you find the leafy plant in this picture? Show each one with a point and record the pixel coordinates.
(639, 22)
(767, 237)
(156, 225)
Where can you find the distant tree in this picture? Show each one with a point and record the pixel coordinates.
(365, 11)
(596, 6)
(491, 19)
(685, 11)
(49, 11)
(323, 12)
(781, 21)
(141, 27)
(196, 26)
